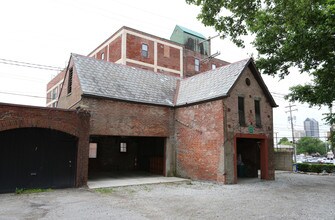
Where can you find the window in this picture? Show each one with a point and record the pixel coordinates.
(54, 93)
(196, 65)
(54, 105)
(213, 66)
(93, 150)
(241, 115)
(69, 82)
(123, 147)
(258, 113)
(102, 56)
(145, 50)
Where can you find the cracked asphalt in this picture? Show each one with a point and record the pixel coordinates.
(290, 196)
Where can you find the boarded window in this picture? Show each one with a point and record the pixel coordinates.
(241, 114)
(93, 150)
(166, 51)
(69, 82)
(258, 113)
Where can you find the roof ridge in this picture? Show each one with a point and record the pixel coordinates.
(124, 66)
(215, 70)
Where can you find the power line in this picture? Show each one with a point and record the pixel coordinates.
(20, 94)
(30, 65)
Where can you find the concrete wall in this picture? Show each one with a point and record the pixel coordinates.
(199, 140)
(283, 160)
(72, 122)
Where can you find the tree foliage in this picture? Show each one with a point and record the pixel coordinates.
(311, 145)
(284, 141)
(288, 33)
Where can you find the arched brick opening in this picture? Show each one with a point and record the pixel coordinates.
(37, 158)
(72, 122)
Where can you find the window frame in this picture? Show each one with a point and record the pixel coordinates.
(241, 111)
(54, 93)
(145, 50)
(196, 65)
(258, 119)
(69, 81)
(123, 147)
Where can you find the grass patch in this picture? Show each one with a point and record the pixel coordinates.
(29, 191)
(104, 190)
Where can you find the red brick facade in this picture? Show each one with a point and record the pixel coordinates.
(199, 135)
(72, 122)
(118, 118)
(205, 65)
(115, 50)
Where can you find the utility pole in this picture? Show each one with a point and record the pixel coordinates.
(292, 128)
(276, 133)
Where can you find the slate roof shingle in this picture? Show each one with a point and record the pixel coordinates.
(211, 84)
(109, 80)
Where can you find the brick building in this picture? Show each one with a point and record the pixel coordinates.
(42, 147)
(215, 126)
(185, 54)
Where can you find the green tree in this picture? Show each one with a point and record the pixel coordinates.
(284, 141)
(288, 33)
(311, 145)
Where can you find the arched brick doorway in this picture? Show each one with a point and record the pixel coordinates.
(37, 158)
(53, 123)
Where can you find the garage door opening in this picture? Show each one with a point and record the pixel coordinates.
(119, 157)
(248, 157)
(36, 158)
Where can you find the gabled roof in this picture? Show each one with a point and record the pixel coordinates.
(186, 30)
(104, 79)
(211, 84)
(109, 80)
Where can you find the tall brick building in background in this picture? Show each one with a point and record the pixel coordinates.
(186, 53)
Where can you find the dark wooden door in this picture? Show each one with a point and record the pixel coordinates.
(36, 158)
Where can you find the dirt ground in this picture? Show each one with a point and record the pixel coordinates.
(290, 196)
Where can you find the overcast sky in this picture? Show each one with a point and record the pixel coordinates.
(46, 32)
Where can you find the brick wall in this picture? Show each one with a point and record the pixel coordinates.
(72, 122)
(199, 139)
(189, 64)
(250, 93)
(102, 51)
(115, 50)
(117, 118)
(134, 47)
(168, 57)
(56, 80)
(68, 100)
